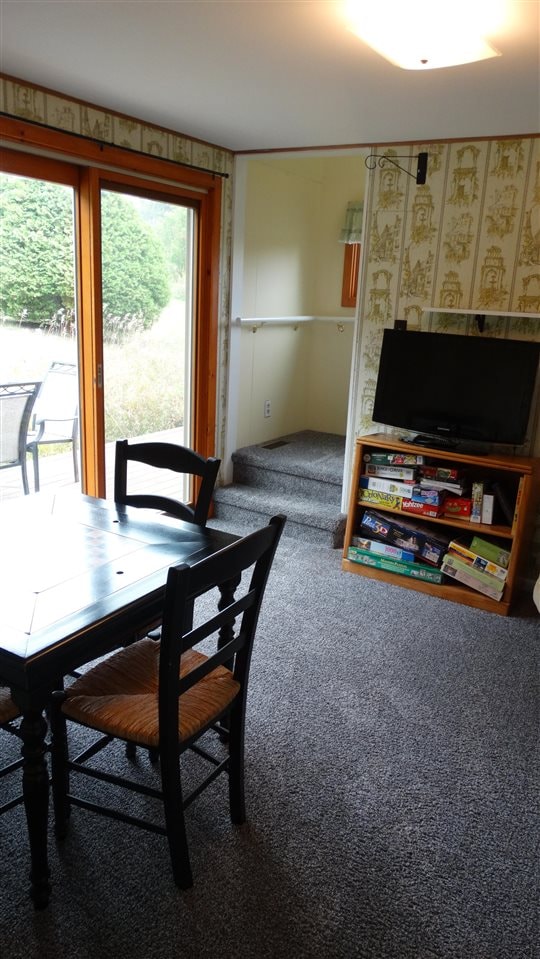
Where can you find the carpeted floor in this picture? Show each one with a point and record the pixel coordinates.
(392, 783)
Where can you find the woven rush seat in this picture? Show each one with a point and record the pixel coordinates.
(8, 713)
(119, 697)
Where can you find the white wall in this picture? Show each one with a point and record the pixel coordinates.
(294, 209)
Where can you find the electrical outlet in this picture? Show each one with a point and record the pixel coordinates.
(267, 408)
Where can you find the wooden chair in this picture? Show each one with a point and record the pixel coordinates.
(9, 713)
(173, 457)
(178, 459)
(56, 414)
(16, 405)
(166, 695)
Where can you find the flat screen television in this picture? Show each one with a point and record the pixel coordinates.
(462, 390)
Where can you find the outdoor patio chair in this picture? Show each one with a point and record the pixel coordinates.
(16, 404)
(167, 695)
(56, 414)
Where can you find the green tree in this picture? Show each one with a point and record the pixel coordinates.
(36, 249)
(135, 278)
(37, 263)
(170, 223)
(172, 231)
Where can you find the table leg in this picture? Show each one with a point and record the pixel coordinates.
(36, 801)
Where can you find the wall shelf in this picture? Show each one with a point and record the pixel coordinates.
(441, 309)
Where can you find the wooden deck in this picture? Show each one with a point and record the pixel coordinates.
(57, 471)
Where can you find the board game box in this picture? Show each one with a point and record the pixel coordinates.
(419, 539)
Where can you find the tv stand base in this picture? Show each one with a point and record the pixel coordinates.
(441, 443)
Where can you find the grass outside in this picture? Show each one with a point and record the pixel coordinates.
(144, 376)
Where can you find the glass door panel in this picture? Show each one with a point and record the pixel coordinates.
(147, 286)
(39, 430)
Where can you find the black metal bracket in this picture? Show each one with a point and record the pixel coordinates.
(480, 321)
(374, 160)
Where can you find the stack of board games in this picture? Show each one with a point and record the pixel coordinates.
(386, 542)
(412, 486)
(481, 565)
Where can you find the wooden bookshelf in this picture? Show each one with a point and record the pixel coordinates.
(520, 477)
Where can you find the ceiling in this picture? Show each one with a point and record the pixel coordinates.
(253, 75)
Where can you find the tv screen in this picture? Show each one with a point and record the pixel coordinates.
(468, 388)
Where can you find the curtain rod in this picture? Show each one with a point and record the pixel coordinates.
(105, 143)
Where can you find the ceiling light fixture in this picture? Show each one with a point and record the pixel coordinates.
(428, 34)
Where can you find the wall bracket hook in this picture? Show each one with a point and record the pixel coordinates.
(374, 160)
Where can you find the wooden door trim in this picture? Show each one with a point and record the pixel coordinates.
(92, 164)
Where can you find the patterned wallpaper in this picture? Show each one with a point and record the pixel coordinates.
(469, 239)
(39, 106)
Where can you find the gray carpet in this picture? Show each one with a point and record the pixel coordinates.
(392, 784)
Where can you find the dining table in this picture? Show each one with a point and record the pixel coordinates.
(79, 577)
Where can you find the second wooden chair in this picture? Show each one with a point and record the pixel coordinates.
(167, 456)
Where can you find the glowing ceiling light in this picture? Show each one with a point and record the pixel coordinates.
(427, 34)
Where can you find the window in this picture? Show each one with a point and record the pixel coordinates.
(142, 190)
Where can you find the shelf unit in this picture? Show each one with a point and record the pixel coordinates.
(521, 478)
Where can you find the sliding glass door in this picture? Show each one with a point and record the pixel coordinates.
(109, 276)
(39, 391)
(147, 283)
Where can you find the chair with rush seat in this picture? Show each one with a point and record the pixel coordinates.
(188, 464)
(167, 694)
(9, 713)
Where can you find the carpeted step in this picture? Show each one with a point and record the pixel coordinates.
(311, 521)
(300, 474)
(307, 464)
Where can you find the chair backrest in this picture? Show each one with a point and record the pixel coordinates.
(215, 622)
(16, 404)
(57, 407)
(173, 457)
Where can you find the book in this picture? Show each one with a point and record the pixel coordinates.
(488, 505)
(391, 472)
(384, 549)
(478, 562)
(464, 577)
(397, 459)
(421, 508)
(489, 550)
(518, 501)
(477, 492)
(377, 498)
(503, 502)
(459, 506)
(458, 562)
(399, 488)
(415, 570)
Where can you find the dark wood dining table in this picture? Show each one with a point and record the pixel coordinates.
(78, 577)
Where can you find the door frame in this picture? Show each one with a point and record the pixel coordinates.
(50, 154)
